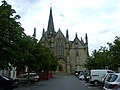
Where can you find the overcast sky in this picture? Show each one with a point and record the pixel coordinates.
(100, 19)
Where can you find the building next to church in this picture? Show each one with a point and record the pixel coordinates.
(71, 55)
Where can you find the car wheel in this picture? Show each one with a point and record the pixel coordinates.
(96, 83)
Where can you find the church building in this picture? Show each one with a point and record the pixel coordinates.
(71, 55)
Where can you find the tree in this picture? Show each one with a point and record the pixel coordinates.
(105, 58)
(26, 58)
(10, 33)
(44, 59)
(99, 59)
(17, 48)
(115, 53)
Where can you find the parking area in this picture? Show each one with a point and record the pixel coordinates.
(99, 79)
(90, 86)
(69, 82)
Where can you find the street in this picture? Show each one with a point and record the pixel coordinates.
(59, 83)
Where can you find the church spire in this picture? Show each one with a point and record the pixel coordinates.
(50, 27)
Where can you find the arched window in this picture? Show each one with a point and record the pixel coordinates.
(59, 49)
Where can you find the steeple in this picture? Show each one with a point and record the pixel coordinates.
(76, 36)
(34, 34)
(86, 38)
(67, 36)
(43, 32)
(50, 27)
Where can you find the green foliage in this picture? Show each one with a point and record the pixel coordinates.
(17, 48)
(115, 53)
(10, 33)
(105, 58)
(45, 59)
(99, 59)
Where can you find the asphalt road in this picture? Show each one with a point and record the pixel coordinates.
(59, 83)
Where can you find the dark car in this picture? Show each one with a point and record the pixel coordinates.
(7, 83)
(87, 78)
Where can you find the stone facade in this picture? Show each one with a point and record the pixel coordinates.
(71, 55)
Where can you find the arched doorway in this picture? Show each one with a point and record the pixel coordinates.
(62, 66)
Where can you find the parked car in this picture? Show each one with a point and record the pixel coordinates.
(87, 78)
(81, 77)
(96, 75)
(7, 83)
(79, 72)
(102, 80)
(112, 82)
(35, 76)
(25, 78)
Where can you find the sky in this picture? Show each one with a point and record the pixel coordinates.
(100, 19)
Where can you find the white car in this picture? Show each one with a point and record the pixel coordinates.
(112, 82)
(81, 77)
(23, 78)
(35, 76)
(102, 80)
(96, 75)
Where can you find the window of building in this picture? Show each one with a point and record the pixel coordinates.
(59, 49)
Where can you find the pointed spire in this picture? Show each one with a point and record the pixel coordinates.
(34, 34)
(76, 35)
(67, 36)
(43, 32)
(59, 29)
(76, 42)
(50, 27)
(86, 38)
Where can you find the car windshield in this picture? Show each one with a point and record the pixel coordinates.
(108, 77)
(113, 78)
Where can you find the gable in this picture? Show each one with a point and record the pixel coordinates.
(80, 44)
(59, 35)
